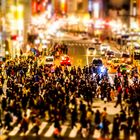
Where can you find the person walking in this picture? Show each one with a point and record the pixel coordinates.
(115, 130)
(74, 115)
(24, 124)
(37, 125)
(105, 129)
(57, 127)
(119, 100)
(7, 120)
(97, 119)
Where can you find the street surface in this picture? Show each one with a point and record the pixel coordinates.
(79, 58)
(47, 128)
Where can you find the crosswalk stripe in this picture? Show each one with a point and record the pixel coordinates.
(96, 134)
(42, 126)
(64, 128)
(14, 131)
(3, 131)
(29, 129)
(50, 131)
(121, 135)
(133, 137)
(73, 132)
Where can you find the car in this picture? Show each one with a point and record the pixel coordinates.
(110, 54)
(97, 62)
(126, 58)
(108, 60)
(96, 41)
(65, 60)
(84, 37)
(49, 60)
(104, 48)
(115, 62)
(124, 68)
(91, 51)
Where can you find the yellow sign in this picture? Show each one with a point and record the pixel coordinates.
(79, 61)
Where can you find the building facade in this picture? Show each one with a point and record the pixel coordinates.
(138, 8)
(135, 14)
(16, 17)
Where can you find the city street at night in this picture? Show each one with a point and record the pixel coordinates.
(69, 69)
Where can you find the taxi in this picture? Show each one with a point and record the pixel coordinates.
(115, 62)
(65, 61)
(124, 68)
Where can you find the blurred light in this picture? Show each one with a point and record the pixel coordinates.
(19, 12)
(134, 25)
(90, 5)
(102, 69)
(44, 41)
(41, 35)
(63, 6)
(99, 23)
(73, 20)
(28, 48)
(49, 10)
(44, 46)
(20, 38)
(37, 41)
(6, 52)
(96, 8)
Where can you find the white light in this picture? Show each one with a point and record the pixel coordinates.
(49, 9)
(41, 35)
(44, 46)
(37, 41)
(102, 69)
(96, 10)
(6, 52)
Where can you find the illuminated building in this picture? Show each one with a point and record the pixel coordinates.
(138, 13)
(15, 23)
(39, 6)
(134, 14)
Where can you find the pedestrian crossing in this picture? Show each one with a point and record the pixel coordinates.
(47, 129)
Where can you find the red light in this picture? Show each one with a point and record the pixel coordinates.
(14, 37)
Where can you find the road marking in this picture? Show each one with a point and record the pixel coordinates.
(96, 134)
(30, 127)
(14, 131)
(73, 132)
(42, 126)
(49, 133)
(64, 128)
(133, 137)
(121, 135)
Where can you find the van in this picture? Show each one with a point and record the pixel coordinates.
(49, 60)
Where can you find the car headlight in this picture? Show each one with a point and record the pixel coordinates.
(102, 69)
(129, 59)
(108, 61)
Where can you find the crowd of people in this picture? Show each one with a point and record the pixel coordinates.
(34, 92)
